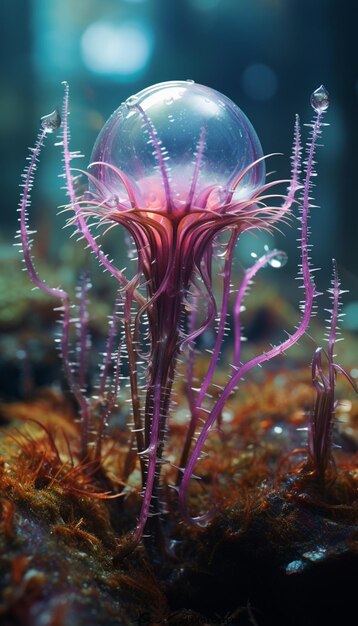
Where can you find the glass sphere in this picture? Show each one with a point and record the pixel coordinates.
(176, 144)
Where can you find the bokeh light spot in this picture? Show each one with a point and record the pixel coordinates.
(118, 50)
(259, 81)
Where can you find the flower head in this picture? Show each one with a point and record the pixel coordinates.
(176, 165)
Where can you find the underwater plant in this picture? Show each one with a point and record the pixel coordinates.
(320, 441)
(181, 169)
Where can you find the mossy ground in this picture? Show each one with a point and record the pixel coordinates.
(281, 550)
(276, 541)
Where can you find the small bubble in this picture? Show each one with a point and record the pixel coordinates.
(279, 260)
(227, 416)
(132, 101)
(320, 99)
(278, 430)
(51, 122)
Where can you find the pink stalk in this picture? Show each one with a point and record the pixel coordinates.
(241, 294)
(240, 371)
(197, 403)
(61, 294)
(83, 339)
(320, 427)
(80, 220)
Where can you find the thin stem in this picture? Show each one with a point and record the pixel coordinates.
(241, 294)
(216, 351)
(83, 331)
(80, 221)
(241, 371)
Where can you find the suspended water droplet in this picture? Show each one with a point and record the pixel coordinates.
(320, 99)
(51, 122)
(253, 255)
(279, 260)
(131, 101)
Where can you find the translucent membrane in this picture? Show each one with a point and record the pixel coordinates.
(178, 144)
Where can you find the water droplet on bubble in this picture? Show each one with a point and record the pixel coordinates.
(279, 260)
(131, 101)
(320, 99)
(190, 81)
(51, 122)
(169, 100)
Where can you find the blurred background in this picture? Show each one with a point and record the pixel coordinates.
(266, 55)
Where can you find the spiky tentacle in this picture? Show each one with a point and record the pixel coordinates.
(241, 370)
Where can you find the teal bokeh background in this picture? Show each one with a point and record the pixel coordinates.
(266, 55)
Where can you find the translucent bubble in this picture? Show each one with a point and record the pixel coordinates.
(320, 99)
(279, 260)
(51, 122)
(174, 144)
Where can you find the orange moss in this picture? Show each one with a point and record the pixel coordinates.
(7, 517)
(73, 532)
(247, 468)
